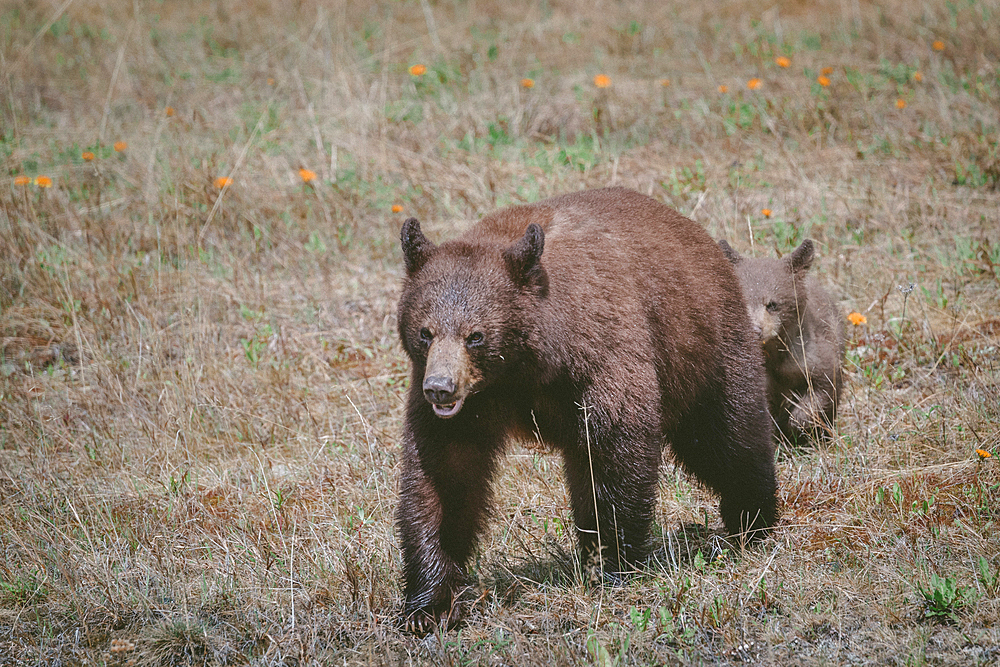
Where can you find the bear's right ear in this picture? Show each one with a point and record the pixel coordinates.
(416, 247)
(802, 257)
(524, 257)
(727, 250)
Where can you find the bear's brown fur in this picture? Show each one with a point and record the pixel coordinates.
(802, 334)
(628, 332)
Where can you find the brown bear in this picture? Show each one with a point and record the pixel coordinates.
(627, 333)
(802, 335)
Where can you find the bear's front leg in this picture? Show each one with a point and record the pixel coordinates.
(444, 492)
(612, 475)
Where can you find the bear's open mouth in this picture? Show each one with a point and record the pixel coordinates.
(448, 409)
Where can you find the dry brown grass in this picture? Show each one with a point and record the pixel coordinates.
(200, 390)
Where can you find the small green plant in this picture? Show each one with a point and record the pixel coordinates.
(688, 179)
(989, 578)
(640, 619)
(942, 598)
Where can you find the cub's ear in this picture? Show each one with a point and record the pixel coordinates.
(727, 250)
(416, 248)
(802, 257)
(524, 257)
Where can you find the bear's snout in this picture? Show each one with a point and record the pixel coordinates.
(449, 376)
(439, 390)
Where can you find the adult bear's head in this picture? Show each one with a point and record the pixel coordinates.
(462, 312)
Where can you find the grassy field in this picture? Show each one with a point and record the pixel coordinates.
(201, 384)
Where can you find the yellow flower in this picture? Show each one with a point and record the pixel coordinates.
(856, 318)
(527, 83)
(826, 70)
(223, 181)
(664, 82)
(938, 45)
(900, 103)
(396, 208)
(43, 182)
(983, 454)
(120, 146)
(918, 76)
(306, 175)
(754, 83)
(22, 180)
(823, 81)
(782, 61)
(417, 70)
(723, 89)
(602, 80)
(169, 111)
(88, 156)
(766, 212)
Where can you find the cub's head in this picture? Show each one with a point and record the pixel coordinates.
(462, 312)
(773, 289)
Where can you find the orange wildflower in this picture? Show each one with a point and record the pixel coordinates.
(938, 45)
(43, 181)
(306, 175)
(918, 76)
(120, 146)
(664, 82)
(826, 70)
(169, 111)
(766, 212)
(856, 318)
(900, 103)
(602, 80)
(270, 80)
(396, 208)
(22, 180)
(754, 83)
(527, 83)
(823, 81)
(782, 61)
(983, 454)
(418, 70)
(723, 89)
(223, 181)
(88, 156)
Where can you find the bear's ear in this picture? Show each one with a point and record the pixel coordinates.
(416, 247)
(727, 250)
(802, 257)
(523, 258)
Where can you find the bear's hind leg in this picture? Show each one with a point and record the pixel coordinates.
(726, 443)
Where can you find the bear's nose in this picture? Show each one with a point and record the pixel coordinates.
(439, 390)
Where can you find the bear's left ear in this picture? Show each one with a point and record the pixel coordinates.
(802, 257)
(727, 250)
(416, 247)
(524, 257)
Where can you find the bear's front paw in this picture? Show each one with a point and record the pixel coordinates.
(421, 621)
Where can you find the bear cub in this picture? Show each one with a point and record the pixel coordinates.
(802, 336)
(607, 325)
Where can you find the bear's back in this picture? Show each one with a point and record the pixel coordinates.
(632, 285)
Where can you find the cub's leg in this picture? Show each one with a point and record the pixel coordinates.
(813, 414)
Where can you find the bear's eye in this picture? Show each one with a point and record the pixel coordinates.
(475, 339)
(771, 306)
(426, 336)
